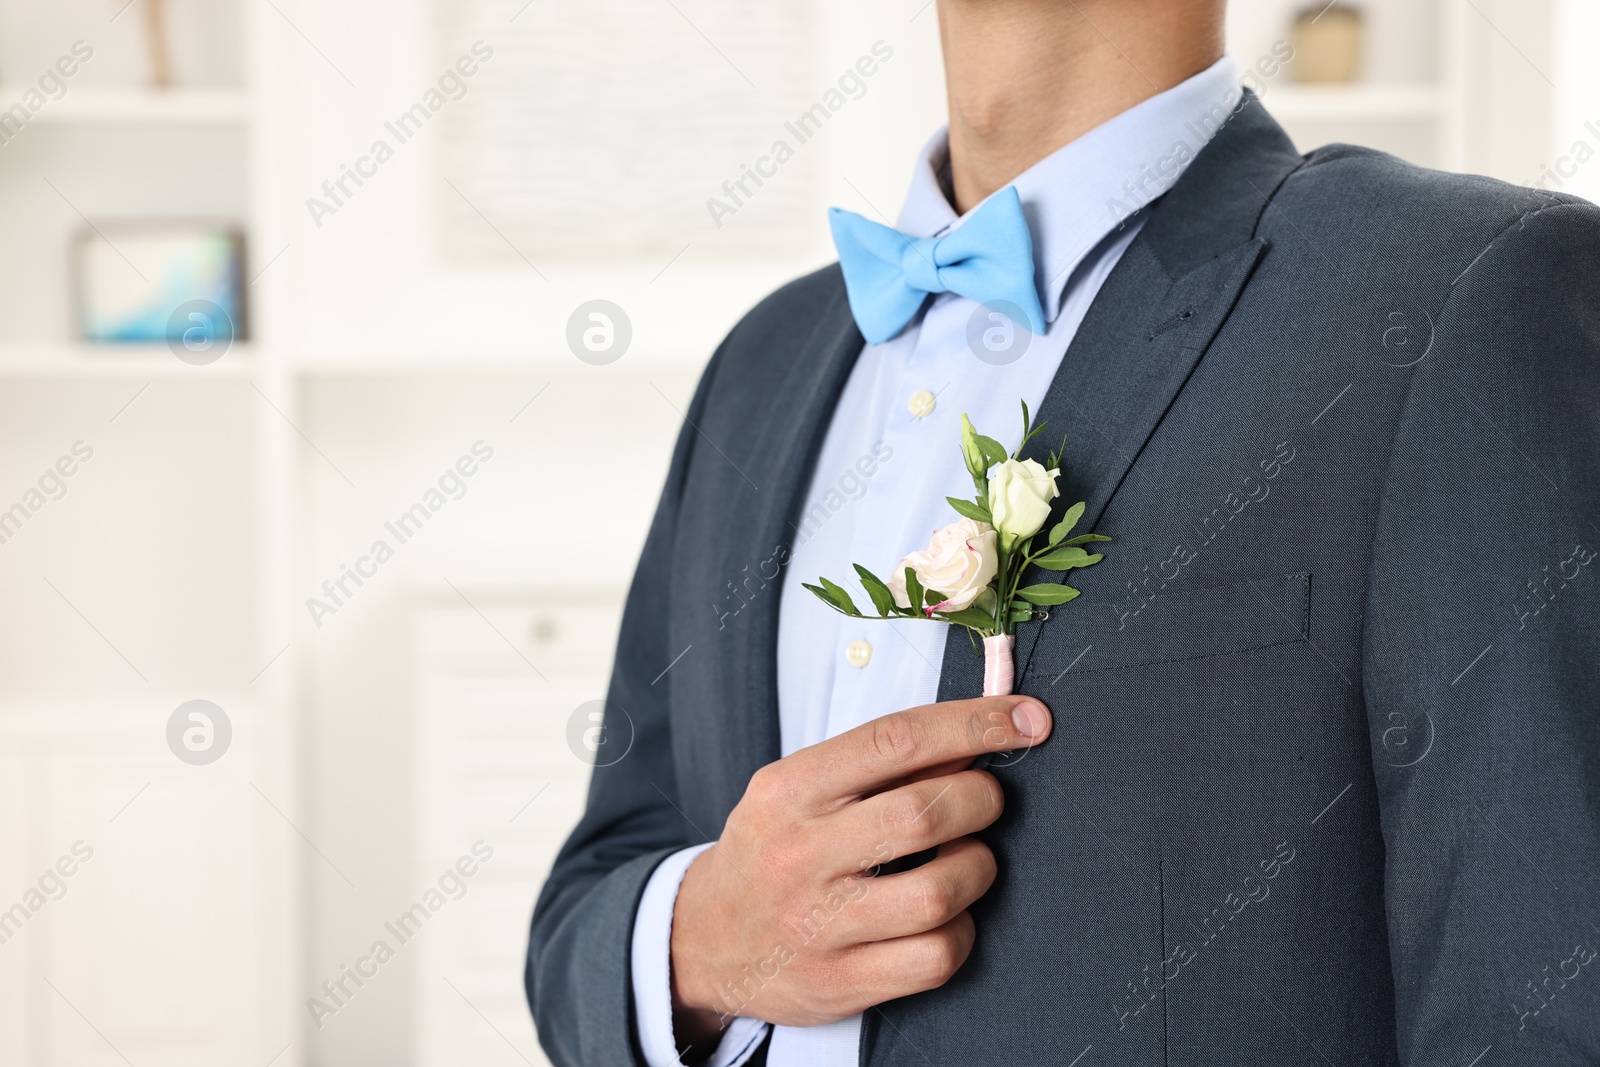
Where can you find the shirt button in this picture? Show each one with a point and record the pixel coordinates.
(921, 404)
(858, 652)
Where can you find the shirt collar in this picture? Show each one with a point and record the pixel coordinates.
(1081, 192)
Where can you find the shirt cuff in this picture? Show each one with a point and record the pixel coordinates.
(652, 975)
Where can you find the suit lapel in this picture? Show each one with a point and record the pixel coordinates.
(760, 527)
(1123, 372)
(1146, 331)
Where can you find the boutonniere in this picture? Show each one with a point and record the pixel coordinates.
(971, 571)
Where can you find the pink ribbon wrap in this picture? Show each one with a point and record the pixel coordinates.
(999, 665)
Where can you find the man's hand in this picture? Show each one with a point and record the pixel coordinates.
(783, 920)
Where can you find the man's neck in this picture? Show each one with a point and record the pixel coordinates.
(1025, 77)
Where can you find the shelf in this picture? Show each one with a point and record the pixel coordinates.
(81, 360)
(90, 105)
(542, 363)
(1355, 102)
(109, 714)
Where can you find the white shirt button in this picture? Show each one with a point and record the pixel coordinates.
(858, 653)
(921, 404)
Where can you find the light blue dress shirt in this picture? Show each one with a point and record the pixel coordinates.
(891, 456)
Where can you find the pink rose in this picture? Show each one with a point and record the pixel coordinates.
(960, 562)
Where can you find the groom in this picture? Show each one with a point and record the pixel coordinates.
(1310, 773)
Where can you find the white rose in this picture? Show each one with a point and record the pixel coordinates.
(960, 562)
(1020, 492)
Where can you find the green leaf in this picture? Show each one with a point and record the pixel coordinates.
(970, 452)
(933, 596)
(1067, 557)
(968, 509)
(971, 618)
(1068, 521)
(1083, 539)
(1029, 432)
(993, 451)
(840, 598)
(1048, 593)
(913, 590)
(882, 599)
(1057, 457)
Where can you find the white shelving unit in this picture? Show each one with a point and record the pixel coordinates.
(157, 578)
(1454, 84)
(153, 107)
(1359, 103)
(49, 359)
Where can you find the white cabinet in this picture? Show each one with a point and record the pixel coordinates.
(495, 695)
(143, 895)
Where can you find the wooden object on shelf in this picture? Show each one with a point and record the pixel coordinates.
(1327, 44)
(155, 33)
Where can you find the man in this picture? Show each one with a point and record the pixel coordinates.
(1308, 775)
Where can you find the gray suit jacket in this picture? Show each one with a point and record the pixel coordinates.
(1324, 786)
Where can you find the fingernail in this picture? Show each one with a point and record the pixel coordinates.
(1030, 719)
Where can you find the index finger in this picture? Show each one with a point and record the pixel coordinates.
(904, 742)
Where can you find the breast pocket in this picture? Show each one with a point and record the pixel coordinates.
(1178, 624)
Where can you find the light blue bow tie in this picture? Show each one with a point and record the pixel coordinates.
(888, 274)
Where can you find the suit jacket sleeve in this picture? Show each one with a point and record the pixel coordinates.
(1481, 660)
(578, 975)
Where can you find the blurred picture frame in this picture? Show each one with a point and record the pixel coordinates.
(146, 282)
